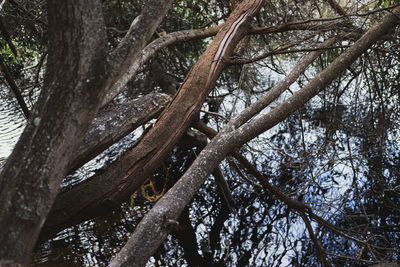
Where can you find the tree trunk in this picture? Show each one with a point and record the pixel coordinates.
(68, 102)
(108, 190)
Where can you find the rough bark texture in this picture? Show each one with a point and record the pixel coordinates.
(120, 121)
(179, 114)
(151, 49)
(155, 226)
(130, 47)
(108, 190)
(110, 125)
(69, 100)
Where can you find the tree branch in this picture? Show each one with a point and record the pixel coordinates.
(14, 88)
(130, 47)
(119, 121)
(150, 50)
(152, 230)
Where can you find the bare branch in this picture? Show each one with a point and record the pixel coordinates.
(151, 231)
(150, 50)
(130, 47)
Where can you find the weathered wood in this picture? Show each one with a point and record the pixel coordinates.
(110, 125)
(109, 189)
(153, 228)
(184, 106)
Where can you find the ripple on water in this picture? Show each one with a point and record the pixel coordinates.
(11, 127)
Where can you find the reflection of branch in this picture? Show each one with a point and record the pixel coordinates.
(320, 250)
(292, 203)
(14, 88)
(224, 188)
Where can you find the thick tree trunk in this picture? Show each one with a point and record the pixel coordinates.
(108, 190)
(77, 78)
(155, 226)
(32, 175)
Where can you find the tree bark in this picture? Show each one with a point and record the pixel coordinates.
(108, 190)
(155, 226)
(68, 102)
(179, 114)
(110, 125)
(130, 48)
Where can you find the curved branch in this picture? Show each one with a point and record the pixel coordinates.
(154, 227)
(149, 51)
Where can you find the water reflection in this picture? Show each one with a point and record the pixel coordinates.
(12, 123)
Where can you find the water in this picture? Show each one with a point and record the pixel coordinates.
(12, 123)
